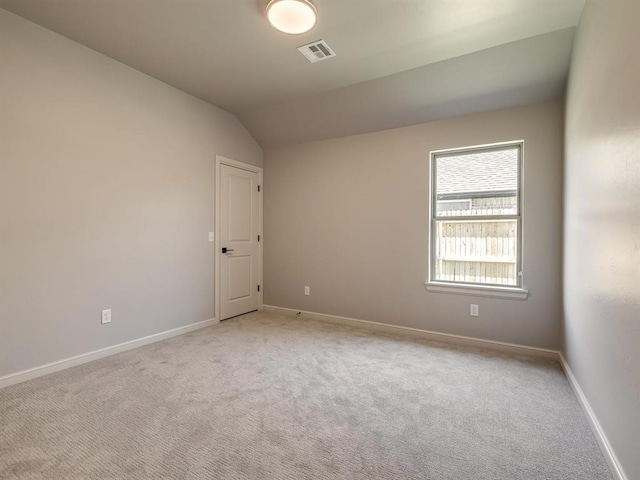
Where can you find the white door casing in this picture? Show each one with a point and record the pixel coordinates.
(238, 226)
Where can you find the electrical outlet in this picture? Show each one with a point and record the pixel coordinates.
(473, 311)
(307, 291)
(211, 236)
(106, 316)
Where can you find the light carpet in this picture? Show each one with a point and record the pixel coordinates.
(264, 396)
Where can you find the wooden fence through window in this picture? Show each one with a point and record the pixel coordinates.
(477, 251)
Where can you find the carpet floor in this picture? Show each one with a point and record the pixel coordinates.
(264, 396)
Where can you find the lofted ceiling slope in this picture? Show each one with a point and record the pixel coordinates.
(398, 62)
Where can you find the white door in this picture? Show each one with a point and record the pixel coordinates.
(239, 248)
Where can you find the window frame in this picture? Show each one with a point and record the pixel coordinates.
(469, 288)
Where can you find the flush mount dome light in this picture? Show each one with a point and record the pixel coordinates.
(292, 16)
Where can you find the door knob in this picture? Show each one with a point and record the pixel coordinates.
(226, 250)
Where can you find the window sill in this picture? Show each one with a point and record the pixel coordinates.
(478, 290)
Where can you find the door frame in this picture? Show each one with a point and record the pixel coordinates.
(221, 160)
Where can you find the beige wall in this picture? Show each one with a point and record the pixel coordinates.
(349, 218)
(602, 226)
(106, 198)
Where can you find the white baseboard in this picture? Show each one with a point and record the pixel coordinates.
(616, 469)
(417, 332)
(18, 377)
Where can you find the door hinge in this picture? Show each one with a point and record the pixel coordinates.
(258, 187)
(258, 237)
(258, 287)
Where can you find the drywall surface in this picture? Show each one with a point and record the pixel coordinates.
(602, 222)
(106, 199)
(349, 218)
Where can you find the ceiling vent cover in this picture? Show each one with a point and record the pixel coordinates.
(316, 51)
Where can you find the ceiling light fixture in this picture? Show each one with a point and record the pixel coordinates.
(292, 16)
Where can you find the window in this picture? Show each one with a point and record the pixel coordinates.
(476, 222)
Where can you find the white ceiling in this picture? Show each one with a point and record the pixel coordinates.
(398, 61)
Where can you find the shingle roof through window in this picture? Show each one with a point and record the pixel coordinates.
(485, 171)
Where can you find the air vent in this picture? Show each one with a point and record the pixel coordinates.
(316, 51)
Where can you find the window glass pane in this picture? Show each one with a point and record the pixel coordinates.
(477, 251)
(477, 183)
